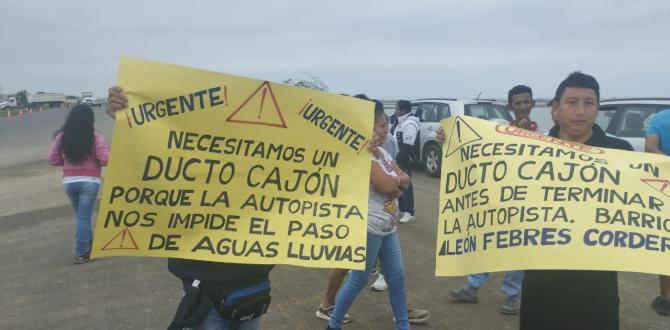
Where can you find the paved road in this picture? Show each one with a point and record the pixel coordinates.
(40, 288)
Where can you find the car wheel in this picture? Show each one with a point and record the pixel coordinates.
(433, 162)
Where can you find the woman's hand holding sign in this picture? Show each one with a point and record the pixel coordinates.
(116, 101)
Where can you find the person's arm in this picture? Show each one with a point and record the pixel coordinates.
(401, 178)
(55, 157)
(439, 136)
(382, 182)
(652, 144)
(101, 150)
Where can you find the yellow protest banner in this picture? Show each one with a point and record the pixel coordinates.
(215, 167)
(512, 199)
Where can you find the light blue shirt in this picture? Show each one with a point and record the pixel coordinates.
(660, 126)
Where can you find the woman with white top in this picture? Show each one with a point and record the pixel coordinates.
(387, 183)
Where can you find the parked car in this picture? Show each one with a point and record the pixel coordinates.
(93, 101)
(628, 118)
(431, 111)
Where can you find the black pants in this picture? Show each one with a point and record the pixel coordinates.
(574, 301)
(406, 201)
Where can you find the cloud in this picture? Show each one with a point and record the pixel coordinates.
(388, 49)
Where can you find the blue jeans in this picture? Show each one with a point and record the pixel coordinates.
(214, 321)
(387, 248)
(406, 201)
(82, 195)
(511, 284)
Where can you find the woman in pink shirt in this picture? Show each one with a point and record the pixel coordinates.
(82, 152)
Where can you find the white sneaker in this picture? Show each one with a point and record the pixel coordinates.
(379, 284)
(407, 218)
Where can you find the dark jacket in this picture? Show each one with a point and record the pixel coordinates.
(218, 279)
(219, 272)
(573, 299)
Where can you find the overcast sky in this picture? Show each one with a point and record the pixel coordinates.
(387, 49)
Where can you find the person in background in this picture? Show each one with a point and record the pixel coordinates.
(336, 276)
(657, 140)
(391, 146)
(406, 131)
(511, 287)
(520, 102)
(387, 183)
(414, 315)
(82, 152)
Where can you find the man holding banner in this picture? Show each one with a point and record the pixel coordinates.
(195, 309)
(220, 174)
(574, 299)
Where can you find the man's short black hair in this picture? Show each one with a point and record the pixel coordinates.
(404, 106)
(516, 90)
(578, 80)
(361, 96)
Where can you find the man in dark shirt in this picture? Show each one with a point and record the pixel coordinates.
(574, 299)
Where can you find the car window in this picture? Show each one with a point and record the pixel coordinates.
(428, 113)
(605, 116)
(488, 111)
(475, 110)
(634, 121)
(496, 111)
(443, 111)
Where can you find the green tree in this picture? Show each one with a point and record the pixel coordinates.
(22, 99)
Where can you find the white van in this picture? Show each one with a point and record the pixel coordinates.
(92, 101)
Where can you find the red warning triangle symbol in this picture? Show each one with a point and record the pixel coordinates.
(260, 108)
(122, 241)
(661, 185)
